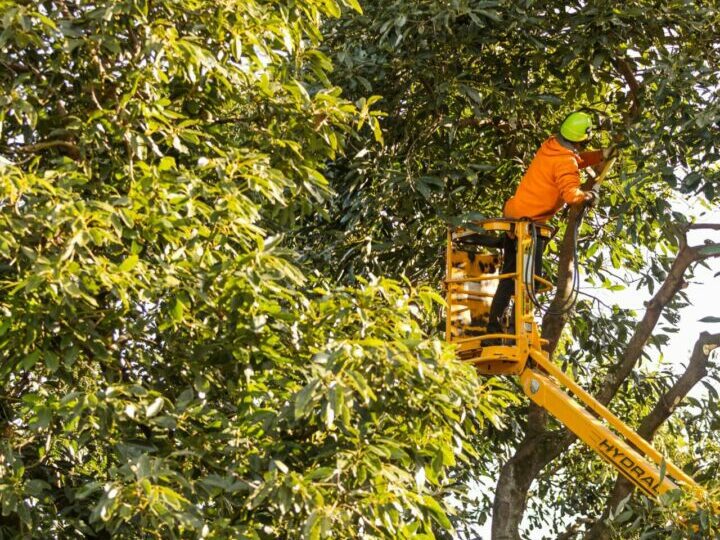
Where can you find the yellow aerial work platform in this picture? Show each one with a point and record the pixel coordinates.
(474, 260)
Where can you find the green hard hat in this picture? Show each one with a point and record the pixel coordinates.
(576, 127)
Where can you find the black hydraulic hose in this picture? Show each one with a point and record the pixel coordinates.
(570, 302)
(530, 284)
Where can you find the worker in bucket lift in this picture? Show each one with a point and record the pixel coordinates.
(551, 180)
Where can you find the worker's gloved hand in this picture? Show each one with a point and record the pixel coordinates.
(592, 197)
(610, 152)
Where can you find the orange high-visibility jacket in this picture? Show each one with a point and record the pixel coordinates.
(552, 179)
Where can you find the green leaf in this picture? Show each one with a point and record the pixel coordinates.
(321, 473)
(354, 4)
(624, 516)
(30, 359)
(52, 361)
(471, 93)
(177, 309)
(710, 319)
(167, 163)
(42, 419)
(311, 528)
(550, 98)
(437, 512)
(303, 398)
(202, 384)
(377, 129)
(332, 8)
(129, 263)
(490, 14)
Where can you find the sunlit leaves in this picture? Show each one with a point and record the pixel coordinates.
(170, 367)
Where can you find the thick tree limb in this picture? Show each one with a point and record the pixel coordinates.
(694, 373)
(72, 150)
(696, 226)
(516, 476)
(623, 66)
(552, 325)
(634, 349)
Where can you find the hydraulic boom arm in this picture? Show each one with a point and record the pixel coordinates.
(629, 453)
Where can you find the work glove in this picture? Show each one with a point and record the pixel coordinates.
(610, 152)
(593, 196)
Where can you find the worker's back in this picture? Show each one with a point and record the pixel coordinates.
(551, 179)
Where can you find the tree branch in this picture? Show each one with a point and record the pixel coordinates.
(553, 324)
(573, 530)
(71, 149)
(643, 330)
(623, 66)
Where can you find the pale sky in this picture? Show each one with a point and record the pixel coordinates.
(703, 293)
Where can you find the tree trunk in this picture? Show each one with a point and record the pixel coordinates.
(515, 479)
(535, 451)
(539, 446)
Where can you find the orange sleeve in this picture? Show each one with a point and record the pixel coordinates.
(590, 158)
(567, 178)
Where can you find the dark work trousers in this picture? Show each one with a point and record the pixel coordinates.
(506, 288)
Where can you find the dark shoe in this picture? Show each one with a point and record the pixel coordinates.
(493, 328)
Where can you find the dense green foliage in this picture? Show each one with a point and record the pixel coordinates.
(470, 89)
(168, 369)
(196, 198)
